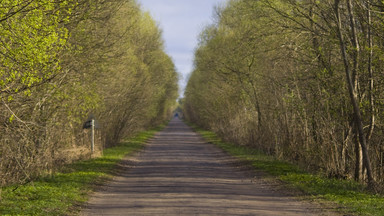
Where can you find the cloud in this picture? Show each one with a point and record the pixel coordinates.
(181, 22)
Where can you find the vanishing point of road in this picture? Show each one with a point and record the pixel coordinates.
(180, 174)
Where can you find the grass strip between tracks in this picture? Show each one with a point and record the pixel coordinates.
(350, 196)
(66, 191)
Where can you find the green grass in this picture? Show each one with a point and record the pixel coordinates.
(348, 196)
(64, 192)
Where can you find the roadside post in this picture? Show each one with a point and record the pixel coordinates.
(93, 135)
(91, 124)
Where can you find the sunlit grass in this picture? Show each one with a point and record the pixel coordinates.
(345, 195)
(64, 192)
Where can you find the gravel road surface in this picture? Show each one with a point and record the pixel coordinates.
(180, 174)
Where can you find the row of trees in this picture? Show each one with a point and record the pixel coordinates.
(301, 80)
(61, 61)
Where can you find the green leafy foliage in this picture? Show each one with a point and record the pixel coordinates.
(32, 38)
(64, 61)
(270, 75)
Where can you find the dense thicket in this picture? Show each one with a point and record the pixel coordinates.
(301, 80)
(62, 61)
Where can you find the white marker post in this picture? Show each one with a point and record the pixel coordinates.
(93, 135)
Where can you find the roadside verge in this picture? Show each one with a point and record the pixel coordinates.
(348, 196)
(66, 191)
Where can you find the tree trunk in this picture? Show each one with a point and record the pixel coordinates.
(359, 158)
(370, 73)
(353, 93)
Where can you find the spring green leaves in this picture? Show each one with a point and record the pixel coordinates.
(32, 36)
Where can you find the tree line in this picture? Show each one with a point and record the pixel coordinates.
(62, 61)
(300, 80)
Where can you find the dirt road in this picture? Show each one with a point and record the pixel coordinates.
(180, 174)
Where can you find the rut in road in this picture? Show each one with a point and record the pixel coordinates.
(180, 174)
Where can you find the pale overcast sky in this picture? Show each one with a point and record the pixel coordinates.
(181, 22)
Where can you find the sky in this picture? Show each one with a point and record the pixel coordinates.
(181, 22)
